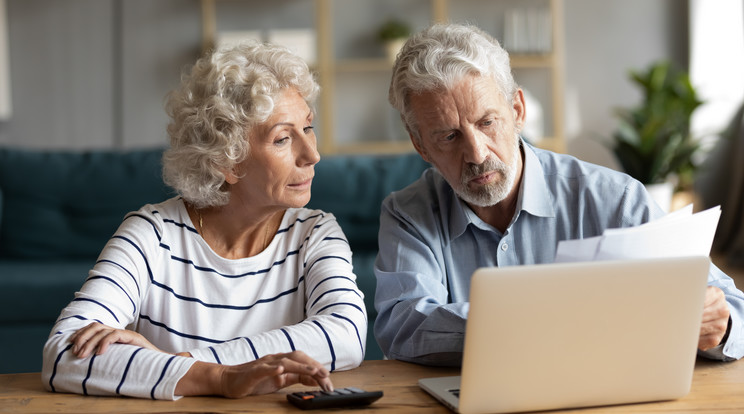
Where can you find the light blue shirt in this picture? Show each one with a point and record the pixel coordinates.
(430, 243)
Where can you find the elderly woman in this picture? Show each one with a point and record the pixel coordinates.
(231, 288)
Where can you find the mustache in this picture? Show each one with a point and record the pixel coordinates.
(474, 170)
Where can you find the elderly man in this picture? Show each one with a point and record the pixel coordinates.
(491, 200)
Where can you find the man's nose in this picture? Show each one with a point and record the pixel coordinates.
(475, 149)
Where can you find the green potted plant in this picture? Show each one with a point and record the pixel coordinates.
(392, 34)
(653, 142)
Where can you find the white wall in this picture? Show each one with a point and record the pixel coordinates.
(93, 73)
(604, 39)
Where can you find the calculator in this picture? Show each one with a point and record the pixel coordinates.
(340, 397)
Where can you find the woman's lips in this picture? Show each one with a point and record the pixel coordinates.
(304, 184)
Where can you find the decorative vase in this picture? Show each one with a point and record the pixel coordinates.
(662, 194)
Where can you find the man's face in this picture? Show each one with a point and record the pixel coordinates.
(470, 134)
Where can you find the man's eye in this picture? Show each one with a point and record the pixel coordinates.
(449, 137)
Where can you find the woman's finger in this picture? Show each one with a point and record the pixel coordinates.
(93, 342)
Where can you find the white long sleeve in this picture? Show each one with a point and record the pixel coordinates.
(158, 277)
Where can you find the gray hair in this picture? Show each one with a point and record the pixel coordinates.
(224, 96)
(441, 56)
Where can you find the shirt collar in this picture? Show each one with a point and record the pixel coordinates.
(533, 198)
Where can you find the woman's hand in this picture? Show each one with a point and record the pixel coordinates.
(262, 376)
(97, 337)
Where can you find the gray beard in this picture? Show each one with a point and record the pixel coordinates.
(493, 193)
(490, 194)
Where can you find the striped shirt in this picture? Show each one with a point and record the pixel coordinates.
(157, 276)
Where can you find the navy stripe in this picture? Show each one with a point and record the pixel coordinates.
(342, 304)
(253, 348)
(54, 370)
(334, 290)
(359, 337)
(300, 220)
(210, 270)
(330, 346)
(124, 269)
(336, 238)
(326, 258)
(87, 376)
(97, 303)
(162, 374)
(147, 263)
(126, 370)
(291, 344)
(181, 334)
(329, 278)
(291, 253)
(229, 307)
(214, 352)
(155, 229)
(181, 225)
(81, 318)
(134, 307)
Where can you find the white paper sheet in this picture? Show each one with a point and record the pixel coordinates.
(677, 234)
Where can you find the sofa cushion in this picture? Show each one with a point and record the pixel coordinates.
(37, 291)
(64, 204)
(352, 187)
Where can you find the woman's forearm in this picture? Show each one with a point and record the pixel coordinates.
(203, 378)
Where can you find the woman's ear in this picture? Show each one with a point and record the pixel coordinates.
(231, 176)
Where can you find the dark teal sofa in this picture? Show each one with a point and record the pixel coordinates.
(58, 209)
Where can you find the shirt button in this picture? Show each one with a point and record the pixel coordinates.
(504, 246)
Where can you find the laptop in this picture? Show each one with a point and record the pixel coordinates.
(552, 336)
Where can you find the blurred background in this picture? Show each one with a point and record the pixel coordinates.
(93, 74)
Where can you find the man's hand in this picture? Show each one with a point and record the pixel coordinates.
(715, 319)
(97, 337)
(262, 376)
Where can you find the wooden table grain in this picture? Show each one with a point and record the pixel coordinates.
(716, 387)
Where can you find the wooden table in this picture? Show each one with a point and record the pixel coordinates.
(717, 386)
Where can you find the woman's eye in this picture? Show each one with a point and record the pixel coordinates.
(281, 141)
(308, 129)
(488, 123)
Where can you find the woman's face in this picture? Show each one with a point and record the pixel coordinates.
(280, 167)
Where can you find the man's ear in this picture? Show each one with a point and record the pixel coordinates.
(417, 146)
(519, 109)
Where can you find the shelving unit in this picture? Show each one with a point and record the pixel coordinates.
(353, 99)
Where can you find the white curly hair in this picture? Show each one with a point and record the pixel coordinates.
(219, 101)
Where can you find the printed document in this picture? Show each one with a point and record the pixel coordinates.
(677, 234)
